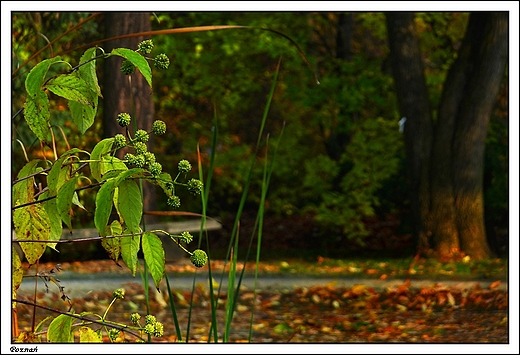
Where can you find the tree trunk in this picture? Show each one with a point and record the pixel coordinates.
(414, 105)
(488, 44)
(127, 93)
(451, 217)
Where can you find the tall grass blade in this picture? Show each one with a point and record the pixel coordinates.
(172, 308)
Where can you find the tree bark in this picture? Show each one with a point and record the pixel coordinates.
(446, 172)
(412, 95)
(488, 44)
(127, 93)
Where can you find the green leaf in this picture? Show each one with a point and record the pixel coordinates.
(104, 205)
(32, 223)
(59, 174)
(39, 326)
(72, 87)
(163, 181)
(134, 172)
(88, 71)
(97, 165)
(60, 330)
(154, 256)
(136, 59)
(87, 335)
(36, 77)
(51, 208)
(37, 114)
(64, 200)
(130, 203)
(112, 164)
(75, 200)
(83, 115)
(113, 245)
(129, 249)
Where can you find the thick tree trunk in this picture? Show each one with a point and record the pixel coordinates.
(450, 191)
(488, 43)
(127, 93)
(412, 96)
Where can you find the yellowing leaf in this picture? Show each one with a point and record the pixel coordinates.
(87, 335)
(32, 223)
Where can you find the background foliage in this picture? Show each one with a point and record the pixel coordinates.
(341, 159)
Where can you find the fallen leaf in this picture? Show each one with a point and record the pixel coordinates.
(358, 289)
(495, 284)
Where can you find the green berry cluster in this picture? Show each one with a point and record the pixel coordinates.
(119, 140)
(155, 168)
(160, 61)
(158, 127)
(141, 136)
(151, 325)
(127, 67)
(123, 119)
(195, 186)
(140, 148)
(174, 201)
(145, 46)
(184, 166)
(199, 258)
(142, 156)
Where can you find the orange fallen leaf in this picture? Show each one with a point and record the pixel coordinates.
(371, 271)
(383, 277)
(495, 284)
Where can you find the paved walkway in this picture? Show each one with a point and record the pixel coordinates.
(78, 285)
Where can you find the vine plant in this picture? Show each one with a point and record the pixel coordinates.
(44, 192)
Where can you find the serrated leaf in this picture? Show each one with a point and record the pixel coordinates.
(64, 200)
(113, 245)
(37, 115)
(130, 203)
(23, 191)
(16, 271)
(83, 115)
(104, 206)
(136, 59)
(101, 149)
(154, 256)
(36, 77)
(60, 330)
(71, 87)
(129, 248)
(87, 335)
(32, 223)
(87, 71)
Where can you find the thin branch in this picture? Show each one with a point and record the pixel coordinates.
(77, 316)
